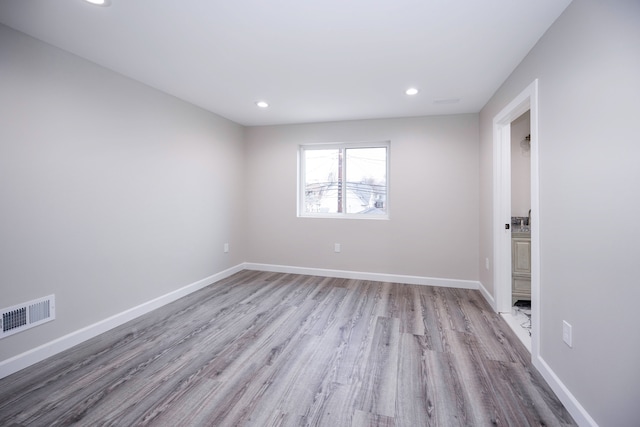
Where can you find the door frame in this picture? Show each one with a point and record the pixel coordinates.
(526, 100)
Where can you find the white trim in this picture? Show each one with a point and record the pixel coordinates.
(51, 348)
(359, 275)
(501, 214)
(35, 355)
(487, 296)
(536, 223)
(526, 100)
(367, 217)
(571, 404)
(343, 146)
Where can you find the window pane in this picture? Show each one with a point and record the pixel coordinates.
(366, 180)
(321, 181)
(344, 179)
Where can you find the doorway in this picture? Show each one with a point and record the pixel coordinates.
(502, 209)
(519, 318)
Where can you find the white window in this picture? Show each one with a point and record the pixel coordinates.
(344, 180)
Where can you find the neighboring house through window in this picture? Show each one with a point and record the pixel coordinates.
(344, 180)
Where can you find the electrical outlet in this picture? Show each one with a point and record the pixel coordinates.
(486, 263)
(337, 247)
(567, 333)
(226, 248)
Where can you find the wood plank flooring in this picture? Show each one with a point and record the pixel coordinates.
(272, 349)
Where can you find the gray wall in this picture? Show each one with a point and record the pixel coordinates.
(433, 223)
(588, 65)
(112, 193)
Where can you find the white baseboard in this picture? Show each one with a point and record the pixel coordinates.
(577, 411)
(35, 355)
(359, 275)
(488, 297)
(28, 358)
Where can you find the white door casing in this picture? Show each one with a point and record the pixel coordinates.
(526, 100)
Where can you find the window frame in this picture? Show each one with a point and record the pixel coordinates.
(343, 146)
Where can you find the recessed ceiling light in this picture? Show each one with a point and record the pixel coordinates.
(99, 2)
(262, 104)
(411, 91)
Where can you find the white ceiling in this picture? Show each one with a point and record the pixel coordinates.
(312, 60)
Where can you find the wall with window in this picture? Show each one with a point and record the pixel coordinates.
(113, 193)
(432, 230)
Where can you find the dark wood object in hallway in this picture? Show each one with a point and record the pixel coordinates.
(271, 349)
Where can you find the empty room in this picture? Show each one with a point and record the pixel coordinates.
(320, 213)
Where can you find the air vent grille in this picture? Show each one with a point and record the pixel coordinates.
(25, 316)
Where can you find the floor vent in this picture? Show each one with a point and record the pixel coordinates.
(25, 316)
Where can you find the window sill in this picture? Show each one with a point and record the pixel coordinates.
(346, 216)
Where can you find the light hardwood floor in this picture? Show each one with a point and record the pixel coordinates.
(272, 349)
